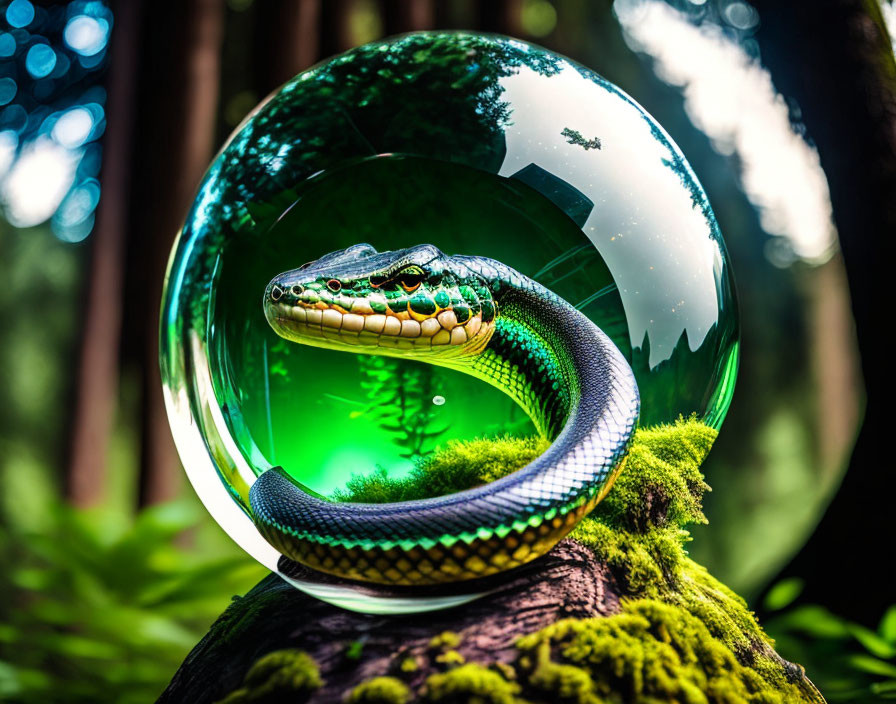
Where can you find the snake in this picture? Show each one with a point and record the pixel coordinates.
(481, 317)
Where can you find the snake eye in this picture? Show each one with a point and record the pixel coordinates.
(298, 290)
(411, 278)
(334, 285)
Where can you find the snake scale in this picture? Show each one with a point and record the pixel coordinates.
(481, 317)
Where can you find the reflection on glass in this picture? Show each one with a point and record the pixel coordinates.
(478, 145)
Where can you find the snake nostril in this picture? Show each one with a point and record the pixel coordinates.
(298, 290)
(334, 285)
(276, 293)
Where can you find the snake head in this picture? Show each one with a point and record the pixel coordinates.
(410, 302)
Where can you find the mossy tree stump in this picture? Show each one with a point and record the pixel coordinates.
(617, 612)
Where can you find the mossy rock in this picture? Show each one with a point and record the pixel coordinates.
(616, 613)
(278, 676)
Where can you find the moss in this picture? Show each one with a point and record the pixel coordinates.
(380, 690)
(281, 675)
(561, 682)
(470, 684)
(409, 664)
(643, 563)
(451, 657)
(680, 635)
(639, 531)
(458, 466)
(663, 467)
(661, 483)
(445, 639)
(651, 651)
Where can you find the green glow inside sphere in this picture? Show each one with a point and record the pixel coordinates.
(479, 145)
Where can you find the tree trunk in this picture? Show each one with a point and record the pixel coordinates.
(335, 35)
(274, 615)
(401, 16)
(287, 41)
(835, 59)
(96, 388)
(502, 16)
(350, 648)
(179, 87)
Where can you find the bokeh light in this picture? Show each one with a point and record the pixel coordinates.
(40, 60)
(74, 218)
(13, 117)
(20, 13)
(52, 112)
(538, 17)
(86, 35)
(7, 44)
(8, 90)
(740, 15)
(73, 127)
(37, 182)
(8, 144)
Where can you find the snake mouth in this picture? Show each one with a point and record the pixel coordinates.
(319, 322)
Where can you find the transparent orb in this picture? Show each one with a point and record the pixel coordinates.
(480, 145)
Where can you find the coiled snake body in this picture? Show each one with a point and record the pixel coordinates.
(481, 317)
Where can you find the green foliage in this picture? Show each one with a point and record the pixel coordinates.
(575, 137)
(399, 394)
(380, 690)
(460, 465)
(783, 593)
(94, 613)
(354, 650)
(33, 382)
(853, 663)
(283, 675)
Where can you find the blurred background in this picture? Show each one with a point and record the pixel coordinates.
(110, 113)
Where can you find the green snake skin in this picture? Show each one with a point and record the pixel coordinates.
(481, 317)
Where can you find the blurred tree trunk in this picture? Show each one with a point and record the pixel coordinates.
(176, 128)
(836, 60)
(287, 41)
(406, 15)
(335, 32)
(96, 385)
(502, 16)
(458, 14)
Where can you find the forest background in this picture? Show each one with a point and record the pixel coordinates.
(110, 113)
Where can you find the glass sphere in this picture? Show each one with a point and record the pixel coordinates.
(479, 145)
